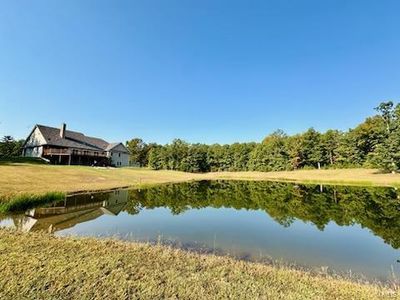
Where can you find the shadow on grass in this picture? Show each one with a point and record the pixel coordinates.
(21, 160)
(382, 172)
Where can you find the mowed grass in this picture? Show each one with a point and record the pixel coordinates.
(40, 266)
(22, 178)
(39, 179)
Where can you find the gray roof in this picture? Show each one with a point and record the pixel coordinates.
(72, 139)
(111, 146)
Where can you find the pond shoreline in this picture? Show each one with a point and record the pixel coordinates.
(95, 268)
(260, 279)
(256, 221)
(71, 180)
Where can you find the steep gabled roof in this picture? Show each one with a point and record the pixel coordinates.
(72, 139)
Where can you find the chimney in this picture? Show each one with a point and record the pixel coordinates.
(62, 130)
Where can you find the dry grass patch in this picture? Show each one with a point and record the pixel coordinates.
(38, 179)
(34, 265)
(367, 177)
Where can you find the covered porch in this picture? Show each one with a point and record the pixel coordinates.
(68, 156)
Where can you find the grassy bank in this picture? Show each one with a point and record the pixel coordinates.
(20, 202)
(35, 182)
(36, 265)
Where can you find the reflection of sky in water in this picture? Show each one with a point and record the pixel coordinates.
(255, 233)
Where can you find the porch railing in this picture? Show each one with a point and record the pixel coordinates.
(55, 151)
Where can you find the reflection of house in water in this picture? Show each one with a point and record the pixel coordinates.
(72, 211)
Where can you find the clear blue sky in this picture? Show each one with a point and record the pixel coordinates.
(205, 71)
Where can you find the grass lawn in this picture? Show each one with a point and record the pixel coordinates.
(17, 178)
(40, 266)
(38, 179)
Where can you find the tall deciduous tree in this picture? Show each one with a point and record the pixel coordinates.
(139, 152)
(271, 154)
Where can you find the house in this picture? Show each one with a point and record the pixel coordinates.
(62, 146)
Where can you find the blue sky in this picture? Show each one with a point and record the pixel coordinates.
(205, 71)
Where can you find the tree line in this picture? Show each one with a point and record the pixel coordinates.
(375, 143)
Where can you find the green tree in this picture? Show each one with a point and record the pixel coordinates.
(387, 153)
(386, 110)
(196, 159)
(139, 152)
(9, 147)
(157, 158)
(294, 150)
(220, 158)
(312, 149)
(330, 141)
(359, 143)
(271, 154)
(240, 153)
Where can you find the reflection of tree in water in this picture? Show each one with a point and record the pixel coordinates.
(377, 209)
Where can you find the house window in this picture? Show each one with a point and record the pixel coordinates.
(119, 154)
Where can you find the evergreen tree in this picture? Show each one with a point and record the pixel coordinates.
(9, 147)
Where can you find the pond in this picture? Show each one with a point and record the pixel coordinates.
(354, 231)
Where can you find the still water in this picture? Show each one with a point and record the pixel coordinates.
(348, 230)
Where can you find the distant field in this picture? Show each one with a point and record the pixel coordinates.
(368, 177)
(22, 178)
(40, 266)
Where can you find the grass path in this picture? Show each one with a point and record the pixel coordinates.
(40, 266)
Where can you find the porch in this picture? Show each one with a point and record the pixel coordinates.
(68, 156)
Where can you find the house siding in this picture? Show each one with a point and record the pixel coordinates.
(33, 151)
(33, 145)
(119, 157)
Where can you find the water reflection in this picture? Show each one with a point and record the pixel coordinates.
(71, 211)
(375, 208)
(344, 228)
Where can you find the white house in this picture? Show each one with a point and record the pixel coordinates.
(62, 146)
